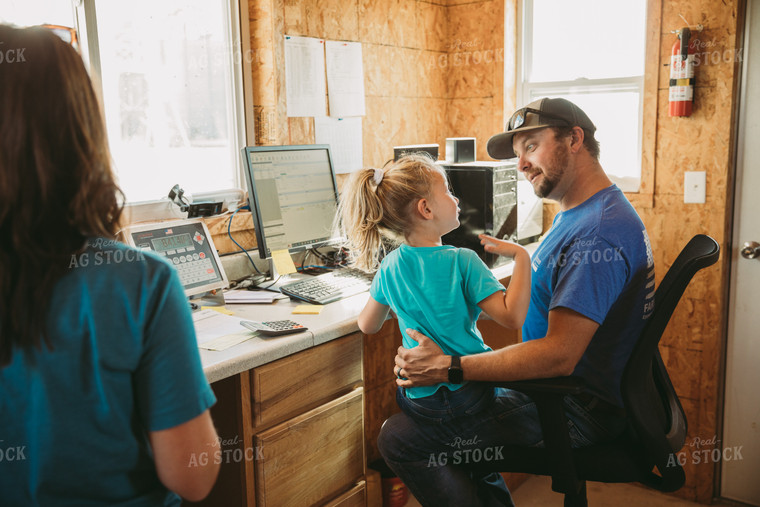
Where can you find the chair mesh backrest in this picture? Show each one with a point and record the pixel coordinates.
(652, 404)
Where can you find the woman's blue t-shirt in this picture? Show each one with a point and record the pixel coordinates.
(124, 362)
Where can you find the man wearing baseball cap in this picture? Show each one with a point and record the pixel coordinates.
(592, 289)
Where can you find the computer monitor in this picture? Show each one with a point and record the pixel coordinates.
(293, 196)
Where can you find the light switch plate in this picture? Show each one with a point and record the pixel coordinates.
(694, 183)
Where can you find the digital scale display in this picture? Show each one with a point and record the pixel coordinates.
(186, 245)
(171, 242)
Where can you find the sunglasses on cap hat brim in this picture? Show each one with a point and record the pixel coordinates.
(500, 145)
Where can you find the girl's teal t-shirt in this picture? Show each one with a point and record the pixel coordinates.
(436, 291)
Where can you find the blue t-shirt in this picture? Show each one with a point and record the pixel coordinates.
(124, 362)
(596, 260)
(436, 291)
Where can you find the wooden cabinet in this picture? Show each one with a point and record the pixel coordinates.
(312, 457)
(356, 497)
(296, 383)
(308, 427)
(297, 426)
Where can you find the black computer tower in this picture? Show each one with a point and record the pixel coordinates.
(487, 193)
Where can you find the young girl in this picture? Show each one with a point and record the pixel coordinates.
(433, 288)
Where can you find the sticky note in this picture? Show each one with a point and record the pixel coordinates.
(283, 262)
(308, 309)
(219, 309)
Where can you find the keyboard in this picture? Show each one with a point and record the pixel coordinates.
(329, 287)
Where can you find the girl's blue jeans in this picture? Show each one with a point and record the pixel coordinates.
(429, 443)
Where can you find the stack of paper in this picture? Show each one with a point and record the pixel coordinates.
(215, 331)
(249, 296)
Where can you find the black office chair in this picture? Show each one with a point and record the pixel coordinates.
(657, 424)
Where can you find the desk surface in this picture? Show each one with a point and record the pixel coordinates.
(336, 320)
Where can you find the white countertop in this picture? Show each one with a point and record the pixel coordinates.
(336, 320)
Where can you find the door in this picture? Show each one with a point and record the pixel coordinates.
(740, 458)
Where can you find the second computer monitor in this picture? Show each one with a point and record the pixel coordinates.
(293, 196)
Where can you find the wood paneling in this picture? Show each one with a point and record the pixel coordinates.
(381, 404)
(379, 383)
(692, 346)
(420, 57)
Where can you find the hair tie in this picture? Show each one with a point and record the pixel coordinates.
(378, 177)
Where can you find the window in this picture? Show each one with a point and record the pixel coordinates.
(170, 86)
(592, 53)
(38, 12)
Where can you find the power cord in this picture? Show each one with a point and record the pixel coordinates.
(229, 233)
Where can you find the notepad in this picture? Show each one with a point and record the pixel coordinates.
(219, 309)
(210, 325)
(226, 341)
(249, 296)
(308, 309)
(283, 262)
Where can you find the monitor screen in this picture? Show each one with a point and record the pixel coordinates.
(293, 196)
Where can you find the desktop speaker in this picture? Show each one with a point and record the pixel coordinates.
(430, 150)
(460, 149)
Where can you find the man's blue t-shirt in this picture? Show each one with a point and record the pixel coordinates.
(436, 291)
(596, 260)
(124, 362)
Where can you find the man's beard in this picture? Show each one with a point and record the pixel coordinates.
(556, 167)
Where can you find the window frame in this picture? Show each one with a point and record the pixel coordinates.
(646, 85)
(85, 16)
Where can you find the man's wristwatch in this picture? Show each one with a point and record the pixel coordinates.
(456, 374)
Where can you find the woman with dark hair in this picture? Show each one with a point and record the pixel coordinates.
(103, 400)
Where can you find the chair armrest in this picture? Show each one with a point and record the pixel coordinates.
(553, 385)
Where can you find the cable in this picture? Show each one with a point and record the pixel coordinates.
(271, 284)
(229, 233)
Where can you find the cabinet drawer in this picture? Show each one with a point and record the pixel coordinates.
(294, 384)
(313, 457)
(355, 497)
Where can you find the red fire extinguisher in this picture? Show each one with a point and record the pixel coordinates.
(681, 93)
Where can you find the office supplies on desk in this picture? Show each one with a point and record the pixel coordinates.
(210, 325)
(219, 309)
(249, 297)
(188, 246)
(329, 287)
(283, 262)
(274, 327)
(307, 309)
(226, 341)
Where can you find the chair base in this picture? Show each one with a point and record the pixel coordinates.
(578, 499)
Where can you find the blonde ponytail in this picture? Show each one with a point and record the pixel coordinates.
(376, 206)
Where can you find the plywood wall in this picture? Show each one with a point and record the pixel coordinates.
(431, 69)
(694, 342)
